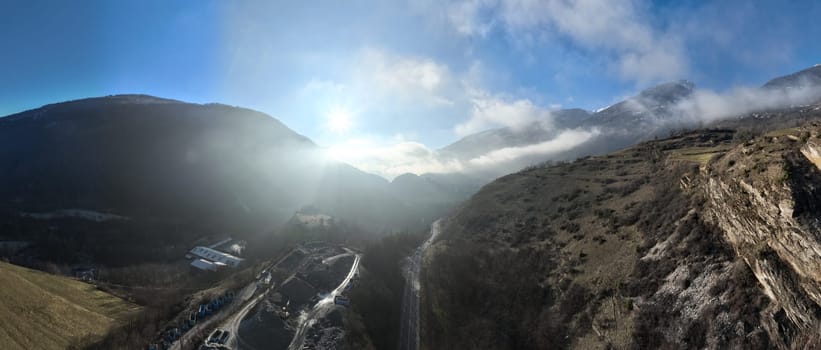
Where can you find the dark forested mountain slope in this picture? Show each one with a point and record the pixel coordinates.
(140, 156)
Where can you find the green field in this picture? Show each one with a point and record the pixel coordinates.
(43, 311)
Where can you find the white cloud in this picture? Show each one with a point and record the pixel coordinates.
(377, 77)
(615, 27)
(466, 17)
(565, 141)
(381, 79)
(394, 157)
(409, 78)
(391, 158)
(707, 106)
(493, 111)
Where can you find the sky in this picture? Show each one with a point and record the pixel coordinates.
(395, 76)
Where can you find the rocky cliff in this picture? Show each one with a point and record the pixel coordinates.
(764, 195)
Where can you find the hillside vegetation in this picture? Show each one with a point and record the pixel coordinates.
(702, 240)
(42, 311)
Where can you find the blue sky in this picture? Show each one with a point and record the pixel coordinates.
(387, 74)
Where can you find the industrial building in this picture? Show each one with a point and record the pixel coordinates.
(211, 259)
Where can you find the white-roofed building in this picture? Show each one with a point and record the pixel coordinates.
(215, 256)
(203, 264)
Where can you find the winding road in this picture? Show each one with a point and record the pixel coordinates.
(241, 297)
(307, 319)
(232, 324)
(409, 329)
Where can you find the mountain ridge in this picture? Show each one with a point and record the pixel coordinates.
(652, 112)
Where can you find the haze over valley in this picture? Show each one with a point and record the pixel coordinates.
(410, 174)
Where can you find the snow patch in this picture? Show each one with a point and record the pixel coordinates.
(602, 109)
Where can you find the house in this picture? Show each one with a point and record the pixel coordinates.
(84, 273)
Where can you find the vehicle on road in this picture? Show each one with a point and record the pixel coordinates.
(215, 337)
(224, 337)
(204, 311)
(341, 300)
(172, 334)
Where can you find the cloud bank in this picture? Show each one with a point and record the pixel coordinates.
(505, 157)
(393, 158)
(706, 106)
(701, 108)
(415, 79)
(489, 110)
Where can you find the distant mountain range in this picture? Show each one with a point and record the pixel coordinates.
(484, 142)
(654, 112)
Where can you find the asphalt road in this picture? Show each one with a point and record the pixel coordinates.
(240, 298)
(409, 327)
(232, 324)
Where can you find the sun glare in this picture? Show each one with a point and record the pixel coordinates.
(338, 120)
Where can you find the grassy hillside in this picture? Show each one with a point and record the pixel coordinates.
(42, 311)
(601, 253)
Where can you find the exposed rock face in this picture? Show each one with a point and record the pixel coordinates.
(764, 196)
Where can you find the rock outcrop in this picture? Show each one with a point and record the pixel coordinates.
(765, 195)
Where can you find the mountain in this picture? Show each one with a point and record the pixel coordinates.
(435, 188)
(481, 143)
(705, 240)
(645, 110)
(654, 112)
(649, 114)
(133, 172)
(409, 202)
(807, 77)
(145, 157)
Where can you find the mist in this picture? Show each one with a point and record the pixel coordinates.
(643, 118)
(706, 106)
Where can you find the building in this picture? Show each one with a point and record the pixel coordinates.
(203, 264)
(84, 273)
(213, 256)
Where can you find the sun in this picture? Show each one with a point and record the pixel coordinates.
(338, 120)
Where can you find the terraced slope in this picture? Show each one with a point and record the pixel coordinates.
(42, 311)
